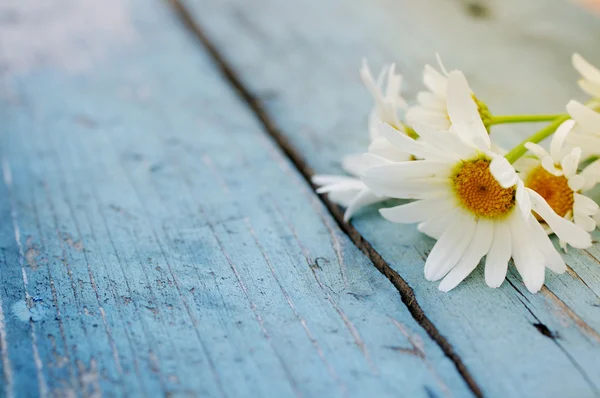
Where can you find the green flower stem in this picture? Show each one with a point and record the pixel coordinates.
(547, 131)
(522, 118)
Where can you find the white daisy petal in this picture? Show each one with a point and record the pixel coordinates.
(589, 143)
(370, 83)
(503, 172)
(433, 117)
(434, 80)
(570, 162)
(586, 117)
(522, 199)
(423, 188)
(380, 77)
(527, 258)
(585, 222)
(496, 261)
(526, 164)
(449, 249)
(431, 101)
(554, 260)
(362, 199)
(343, 198)
(591, 174)
(431, 108)
(413, 169)
(353, 164)
(463, 111)
(372, 160)
(596, 218)
(388, 103)
(564, 229)
(348, 191)
(420, 179)
(381, 147)
(394, 85)
(576, 183)
(441, 64)
(394, 81)
(439, 221)
(342, 186)
(416, 211)
(550, 167)
(590, 88)
(558, 139)
(537, 150)
(587, 70)
(327, 179)
(478, 247)
(445, 140)
(372, 125)
(585, 205)
(402, 141)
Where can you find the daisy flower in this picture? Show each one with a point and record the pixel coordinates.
(432, 104)
(471, 200)
(554, 176)
(351, 192)
(590, 81)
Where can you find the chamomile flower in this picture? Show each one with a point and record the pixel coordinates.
(590, 81)
(554, 176)
(471, 200)
(432, 104)
(351, 192)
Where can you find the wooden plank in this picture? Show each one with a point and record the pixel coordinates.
(155, 241)
(298, 65)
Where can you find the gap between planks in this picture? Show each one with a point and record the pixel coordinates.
(406, 292)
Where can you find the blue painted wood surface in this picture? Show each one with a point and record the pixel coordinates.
(155, 241)
(300, 61)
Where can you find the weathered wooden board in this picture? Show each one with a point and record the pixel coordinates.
(155, 241)
(299, 61)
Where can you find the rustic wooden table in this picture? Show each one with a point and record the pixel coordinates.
(158, 234)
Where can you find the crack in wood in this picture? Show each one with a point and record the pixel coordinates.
(406, 292)
(545, 331)
(581, 324)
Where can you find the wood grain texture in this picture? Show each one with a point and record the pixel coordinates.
(298, 65)
(156, 242)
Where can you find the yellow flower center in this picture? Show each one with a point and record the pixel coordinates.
(479, 192)
(555, 189)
